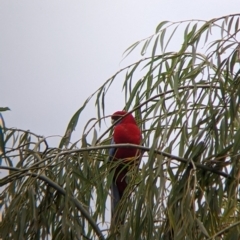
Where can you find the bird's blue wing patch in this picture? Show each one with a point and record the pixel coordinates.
(111, 151)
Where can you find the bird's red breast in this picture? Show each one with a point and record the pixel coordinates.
(126, 131)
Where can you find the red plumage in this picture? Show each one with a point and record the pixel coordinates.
(126, 131)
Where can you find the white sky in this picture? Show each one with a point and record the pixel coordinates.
(54, 54)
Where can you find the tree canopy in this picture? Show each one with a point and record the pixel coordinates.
(185, 93)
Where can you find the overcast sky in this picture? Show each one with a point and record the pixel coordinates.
(54, 54)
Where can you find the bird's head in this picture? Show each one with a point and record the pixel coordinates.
(126, 119)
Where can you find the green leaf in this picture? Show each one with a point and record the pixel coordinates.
(160, 25)
(162, 39)
(145, 46)
(3, 109)
(130, 49)
(170, 38)
(72, 124)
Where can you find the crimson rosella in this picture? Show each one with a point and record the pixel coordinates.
(125, 131)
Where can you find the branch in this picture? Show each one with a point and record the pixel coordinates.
(183, 160)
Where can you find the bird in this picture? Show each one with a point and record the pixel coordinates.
(2, 148)
(125, 130)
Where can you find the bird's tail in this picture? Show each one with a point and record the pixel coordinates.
(115, 198)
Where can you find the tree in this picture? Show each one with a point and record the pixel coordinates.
(186, 102)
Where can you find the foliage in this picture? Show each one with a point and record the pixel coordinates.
(186, 102)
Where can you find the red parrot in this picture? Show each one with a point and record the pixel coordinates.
(125, 131)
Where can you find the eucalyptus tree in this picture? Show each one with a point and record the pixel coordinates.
(184, 91)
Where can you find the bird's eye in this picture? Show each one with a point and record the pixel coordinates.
(114, 119)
